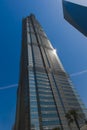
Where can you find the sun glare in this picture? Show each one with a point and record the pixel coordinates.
(54, 51)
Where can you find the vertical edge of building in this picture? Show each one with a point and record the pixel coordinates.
(76, 15)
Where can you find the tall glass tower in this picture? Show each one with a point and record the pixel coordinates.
(45, 92)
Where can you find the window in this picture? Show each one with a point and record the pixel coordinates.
(33, 38)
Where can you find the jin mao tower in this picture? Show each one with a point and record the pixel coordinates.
(45, 92)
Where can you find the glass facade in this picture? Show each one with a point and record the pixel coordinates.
(45, 92)
(33, 102)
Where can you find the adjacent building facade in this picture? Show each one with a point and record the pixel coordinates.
(76, 15)
(45, 93)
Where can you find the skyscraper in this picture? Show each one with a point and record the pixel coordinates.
(76, 15)
(45, 92)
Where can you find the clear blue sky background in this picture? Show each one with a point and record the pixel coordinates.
(71, 46)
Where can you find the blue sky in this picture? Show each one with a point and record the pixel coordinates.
(71, 46)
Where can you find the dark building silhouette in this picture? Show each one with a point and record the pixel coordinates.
(76, 15)
(45, 92)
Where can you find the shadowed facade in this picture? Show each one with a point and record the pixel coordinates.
(76, 15)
